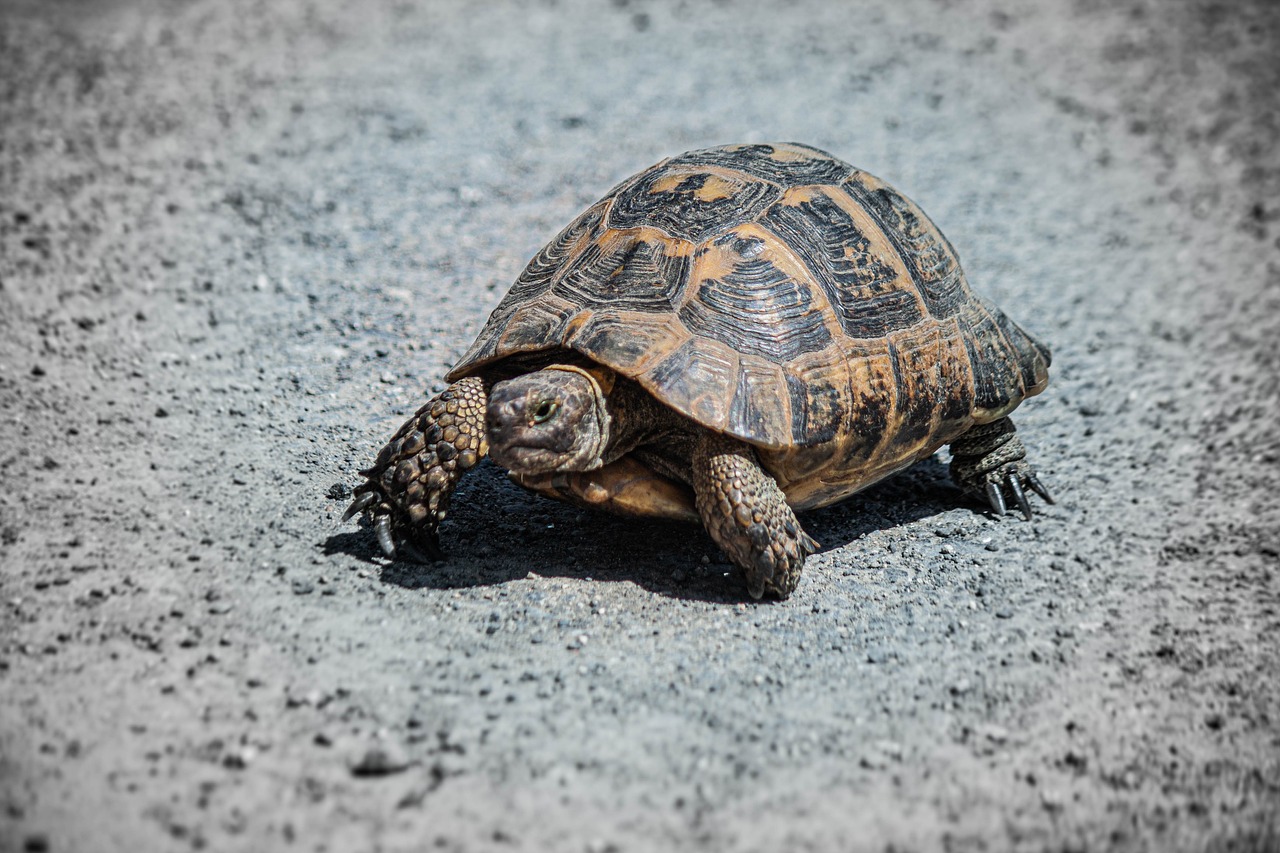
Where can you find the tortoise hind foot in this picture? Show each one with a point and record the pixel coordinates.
(407, 490)
(746, 513)
(990, 460)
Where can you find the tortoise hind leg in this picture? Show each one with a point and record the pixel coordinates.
(407, 490)
(746, 513)
(990, 459)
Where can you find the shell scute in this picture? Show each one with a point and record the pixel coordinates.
(930, 257)
(818, 387)
(690, 202)
(918, 356)
(535, 322)
(703, 374)
(865, 279)
(747, 291)
(551, 261)
(625, 272)
(759, 408)
(998, 386)
(635, 342)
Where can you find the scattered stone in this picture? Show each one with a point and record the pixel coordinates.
(338, 492)
(880, 755)
(1050, 800)
(994, 733)
(301, 586)
(877, 654)
(239, 759)
(383, 759)
(162, 412)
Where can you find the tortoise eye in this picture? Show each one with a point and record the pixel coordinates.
(545, 411)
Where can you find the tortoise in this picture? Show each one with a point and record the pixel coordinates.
(728, 337)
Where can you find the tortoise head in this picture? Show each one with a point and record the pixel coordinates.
(554, 419)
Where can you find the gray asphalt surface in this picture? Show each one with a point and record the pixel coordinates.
(239, 243)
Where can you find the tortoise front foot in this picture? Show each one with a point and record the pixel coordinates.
(747, 515)
(989, 461)
(407, 490)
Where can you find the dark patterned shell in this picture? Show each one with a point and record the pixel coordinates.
(777, 294)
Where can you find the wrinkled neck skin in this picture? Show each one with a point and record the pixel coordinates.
(570, 417)
(637, 419)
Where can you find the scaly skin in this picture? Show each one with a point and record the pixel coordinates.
(746, 513)
(407, 490)
(989, 459)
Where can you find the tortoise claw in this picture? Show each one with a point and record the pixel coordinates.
(1020, 496)
(1016, 479)
(995, 498)
(382, 526)
(359, 505)
(808, 545)
(1038, 487)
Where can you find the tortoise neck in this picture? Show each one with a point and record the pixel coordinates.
(635, 419)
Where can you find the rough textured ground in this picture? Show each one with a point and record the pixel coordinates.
(238, 243)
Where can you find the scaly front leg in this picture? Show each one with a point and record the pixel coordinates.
(745, 511)
(407, 490)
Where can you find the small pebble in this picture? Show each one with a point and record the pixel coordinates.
(381, 760)
(1050, 800)
(992, 732)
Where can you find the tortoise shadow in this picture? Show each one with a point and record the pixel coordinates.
(498, 533)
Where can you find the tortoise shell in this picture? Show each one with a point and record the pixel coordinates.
(781, 296)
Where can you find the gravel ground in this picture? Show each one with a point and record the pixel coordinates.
(239, 242)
